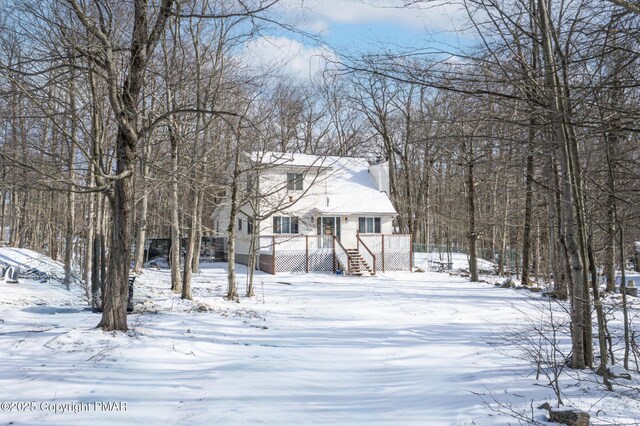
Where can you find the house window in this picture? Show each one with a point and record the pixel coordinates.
(239, 224)
(369, 225)
(294, 181)
(249, 226)
(285, 225)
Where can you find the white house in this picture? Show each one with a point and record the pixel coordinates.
(313, 213)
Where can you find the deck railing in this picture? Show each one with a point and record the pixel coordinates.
(290, 243)
(392, 250)
(367, 254)
(341, 256)
(296, 253)
(304, 253)
(295, 243)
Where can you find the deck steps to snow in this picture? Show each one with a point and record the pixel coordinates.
(357, 264)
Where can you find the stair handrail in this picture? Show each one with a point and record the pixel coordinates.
(373, 256)
(337, 244)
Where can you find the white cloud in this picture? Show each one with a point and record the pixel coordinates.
(305, 59)
(432, 15)
(286, 56)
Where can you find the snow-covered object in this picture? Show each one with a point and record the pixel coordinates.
(32, 263)
(459, 261)
(11, 274)
(632, 280)
(617, 371)
(380, 174)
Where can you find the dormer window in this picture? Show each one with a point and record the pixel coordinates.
(294, 181)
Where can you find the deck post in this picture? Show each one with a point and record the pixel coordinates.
(410, 254)
(273, 253)
(382, 236)
(334, 254)
(306, 256)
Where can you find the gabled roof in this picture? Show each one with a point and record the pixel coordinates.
(348, 188)
(272, 158)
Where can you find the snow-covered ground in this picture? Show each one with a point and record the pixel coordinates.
(396, 349)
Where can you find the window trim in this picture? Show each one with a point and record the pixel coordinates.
(374, 221)
(295, 181)
(292, 225)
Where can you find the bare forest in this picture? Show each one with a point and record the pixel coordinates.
(124, 120)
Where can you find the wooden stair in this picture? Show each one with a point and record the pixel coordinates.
(357, 264)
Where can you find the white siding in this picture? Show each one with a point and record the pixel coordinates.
(346, 188)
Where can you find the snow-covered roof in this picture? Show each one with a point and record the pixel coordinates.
(271, 158)
(347, 187)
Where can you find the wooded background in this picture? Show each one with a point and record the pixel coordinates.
(124, 120)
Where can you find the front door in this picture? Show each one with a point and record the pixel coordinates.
(327, 227)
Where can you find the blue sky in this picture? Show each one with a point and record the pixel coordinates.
(349, 27)
(365, 24)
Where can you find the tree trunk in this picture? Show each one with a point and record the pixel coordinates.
(623, 291)
(123, 97)
(472, 233)
(95, 263)
(141, 227)
(610, 241)
(69, 232)
(580, 200)
(557, 260)
(611, 145)
(232, 293)
(4, 210)
(141, 236)
(71, 199)
(195, 263)
(251, 267)
(528, 209)
(570, 225)
(176, 281)
(105, 234)
(191, 244)
(90, 234)
(114, 315)
(602, 335)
